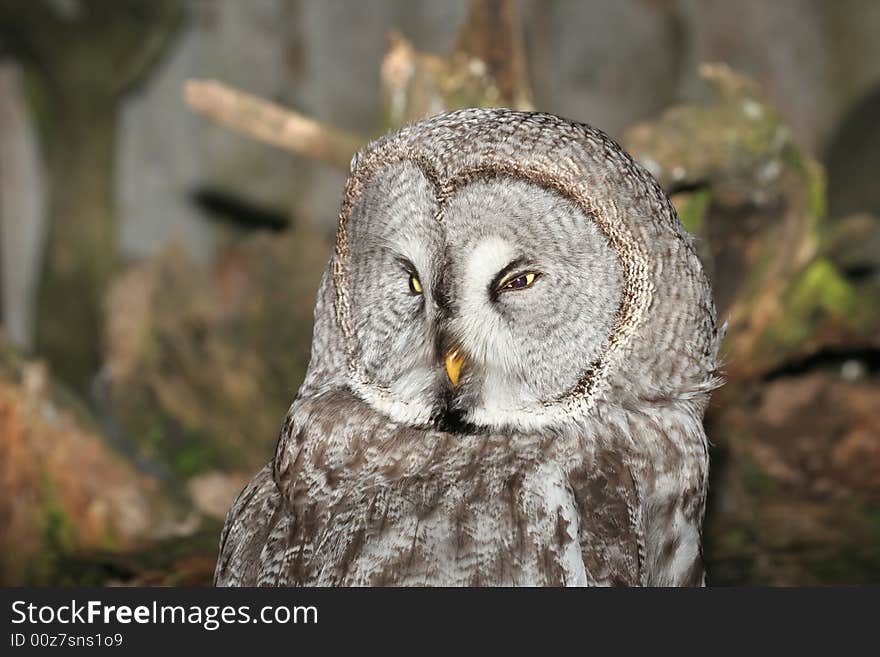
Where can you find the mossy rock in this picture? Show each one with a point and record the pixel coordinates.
(67, 490)
(202, 365)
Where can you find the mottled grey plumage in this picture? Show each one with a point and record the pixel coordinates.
(572, 451)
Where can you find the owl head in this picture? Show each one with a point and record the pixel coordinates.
(498, 270)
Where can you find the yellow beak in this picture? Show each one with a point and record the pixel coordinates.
(454, 362)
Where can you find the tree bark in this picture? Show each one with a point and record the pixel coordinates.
(80, 244)
(79, 61)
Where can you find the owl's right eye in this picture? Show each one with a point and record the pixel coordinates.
(415, 285)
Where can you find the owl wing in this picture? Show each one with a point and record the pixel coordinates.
(607, 499)
(249, 523)
(639, 528)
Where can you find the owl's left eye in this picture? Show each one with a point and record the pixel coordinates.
(519, 282)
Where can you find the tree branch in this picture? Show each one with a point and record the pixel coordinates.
(271, 123)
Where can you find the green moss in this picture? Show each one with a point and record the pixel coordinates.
(693, 212)
(813, 175)
(193, 459)
(153, 439)
(756, 135)
(58, 538)
(58, 533)
(145, 426)
(821, 286)
(816, 190)
(820, 292)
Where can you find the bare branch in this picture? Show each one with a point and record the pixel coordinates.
(271, 123)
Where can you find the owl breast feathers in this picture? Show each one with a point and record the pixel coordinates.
(514, 345)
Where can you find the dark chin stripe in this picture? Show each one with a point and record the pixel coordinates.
(452, 421)
(450, 418)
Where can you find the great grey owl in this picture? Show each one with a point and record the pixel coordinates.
(514, 346)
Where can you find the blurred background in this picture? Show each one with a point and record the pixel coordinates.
(160, 254)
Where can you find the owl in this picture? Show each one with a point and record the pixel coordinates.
(514, 345)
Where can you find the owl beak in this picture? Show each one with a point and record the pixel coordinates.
(454, 361)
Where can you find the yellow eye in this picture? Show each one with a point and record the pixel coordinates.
(520, 282)
(415, 285)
